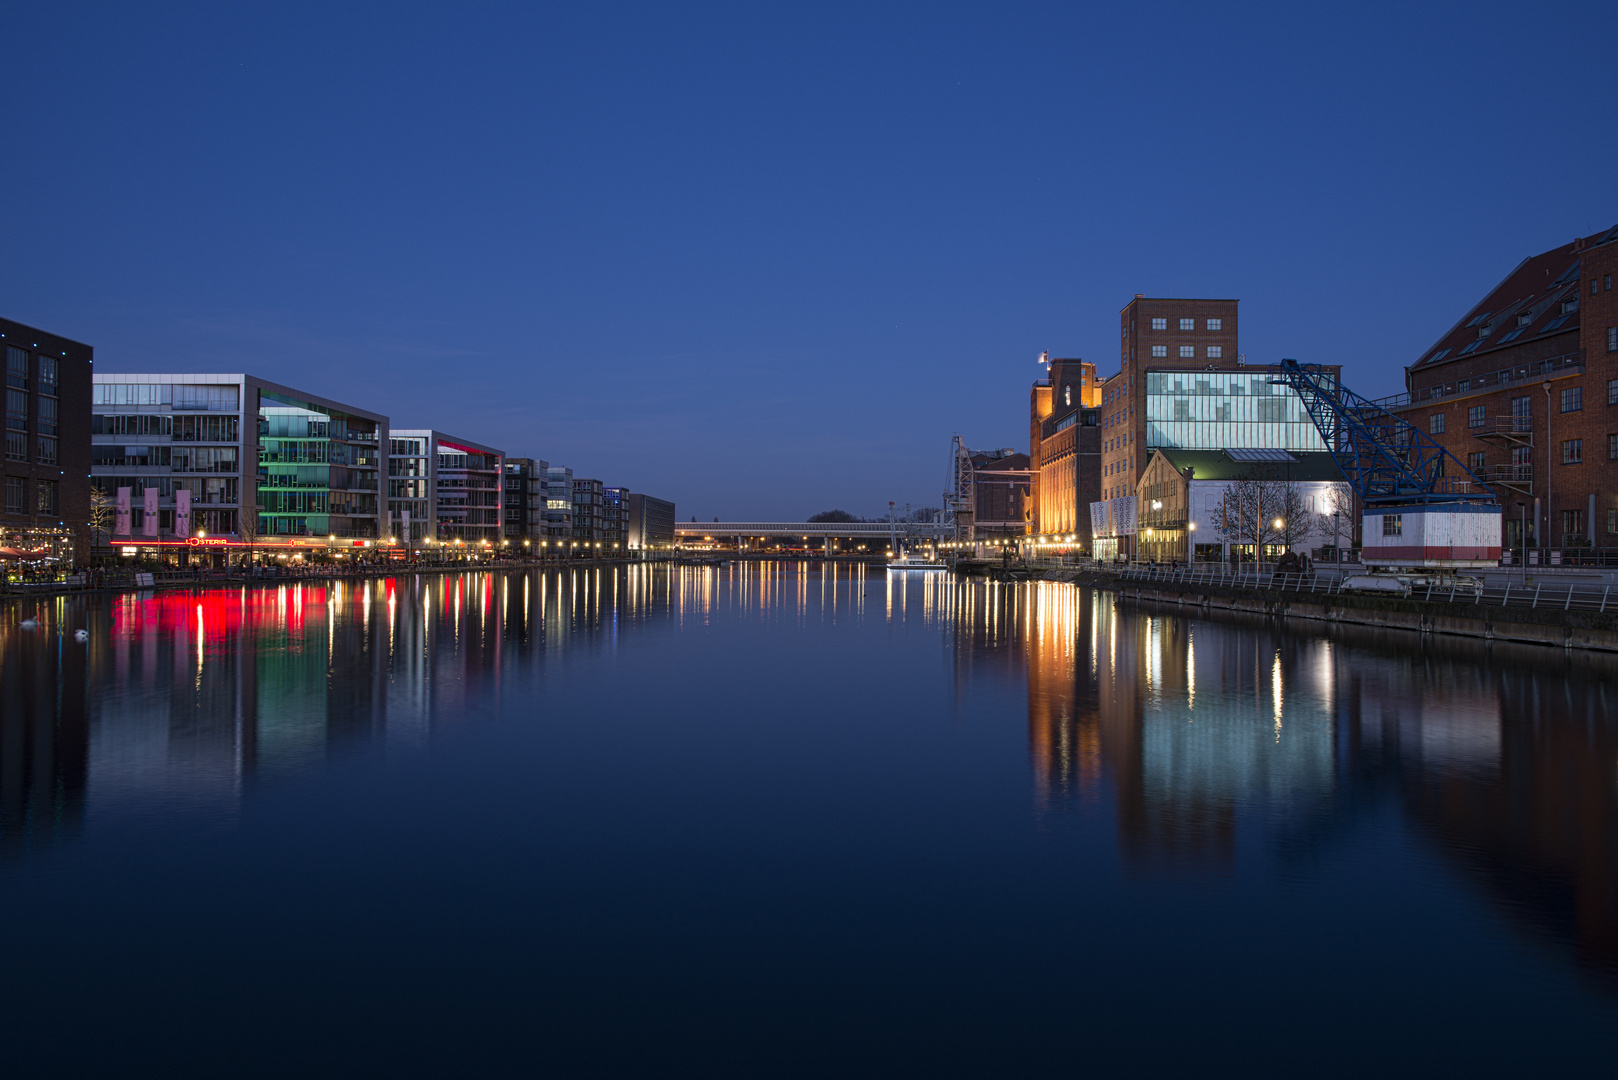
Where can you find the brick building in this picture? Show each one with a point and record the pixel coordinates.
(45, 486)
(1524, 390)
(1064, 450)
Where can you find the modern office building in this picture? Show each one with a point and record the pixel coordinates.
(45, 471)
(648, 523)
(1064, 450)
(465, 482)
(525, 499)
(612, 518)
(1182, 385)
(558, 524)
(1523, 389)
(587, 511)
(233, 456)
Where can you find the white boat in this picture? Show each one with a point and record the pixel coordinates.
(915, 562)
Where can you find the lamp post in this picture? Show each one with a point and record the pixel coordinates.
(1546, 386)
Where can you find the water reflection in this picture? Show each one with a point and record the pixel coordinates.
(1206, 744)
(1205, 736)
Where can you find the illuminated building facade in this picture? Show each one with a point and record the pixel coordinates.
(182, 455)
(612, 517)
(558, 504)
(1064, 450)
(465, 484)
(648, 522)
(44, 473)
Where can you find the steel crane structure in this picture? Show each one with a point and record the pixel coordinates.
(1422, 506)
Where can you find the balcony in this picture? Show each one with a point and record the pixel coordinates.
(1514, 478)
(1522, 374)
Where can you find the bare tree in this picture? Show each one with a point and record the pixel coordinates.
(1335, 516)
(247, 528)
(101, 510)
(1264, 510)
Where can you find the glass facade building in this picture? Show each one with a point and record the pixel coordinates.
(1218, 410)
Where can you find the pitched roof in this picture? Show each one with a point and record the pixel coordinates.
(1306, 465)
(1526, 305)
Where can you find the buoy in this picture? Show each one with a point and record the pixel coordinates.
(81, 635)
(29, 624)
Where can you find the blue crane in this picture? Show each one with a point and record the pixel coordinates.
(1386, 459)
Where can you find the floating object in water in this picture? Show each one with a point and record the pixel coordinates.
(81, 635)
(29, 624)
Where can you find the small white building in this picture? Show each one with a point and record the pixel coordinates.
(1240, 505)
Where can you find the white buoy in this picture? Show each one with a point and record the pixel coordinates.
(29, 624)
(81, 635)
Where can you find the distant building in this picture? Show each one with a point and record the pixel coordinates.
(525, 500)
(1510, 391)
(1064, 450)
(558, 523)
(648, 523)
(45, 491)
(465, 482)
(183, 455)
(612, 518)
(587, 512)
(1001, 495)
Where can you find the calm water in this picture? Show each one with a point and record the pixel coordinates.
(774, 822)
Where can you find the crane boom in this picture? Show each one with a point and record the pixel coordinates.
(1422, 507)
(1387, 459)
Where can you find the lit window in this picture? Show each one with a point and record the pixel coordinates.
(1160, 350)
(1216, 352)
(1187, 351)
(1160, 324)
(1216, 324)
(1572, 451)
(1435, 424)
(1188, 324)
(1573, 399)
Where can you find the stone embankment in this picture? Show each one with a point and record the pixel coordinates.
(1554, 625)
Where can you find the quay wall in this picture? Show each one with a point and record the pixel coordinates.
(1531, 626)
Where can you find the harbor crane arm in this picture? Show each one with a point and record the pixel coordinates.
(1384, 457)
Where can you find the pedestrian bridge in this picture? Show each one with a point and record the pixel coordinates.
(809, 530)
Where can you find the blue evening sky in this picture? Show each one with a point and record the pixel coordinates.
(765, 259)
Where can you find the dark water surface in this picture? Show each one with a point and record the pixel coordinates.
(778, 822)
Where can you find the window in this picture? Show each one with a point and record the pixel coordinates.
(1160, 350)
(1393, 525)
(1612, 391)
(1612, 339)
(1215, 352)
(1612, 521)
(1612, 447)
(1522, 407)
(15, 495)
(47, 450)
(1573, 399)
(46, 503)
(47, 416)
(1188, 324)
(1476, 416)
(1435, 424)
(1160, 324)
(1593, 284)
(1187, 351)
(16, 446)
(1606, 283)
(1216, 324)
(1572, 525)
(16, 367)
(17, 410)
(1475, 461)
(1067, 394)
(1572, 451)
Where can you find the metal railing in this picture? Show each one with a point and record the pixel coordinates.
(1434, 589)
